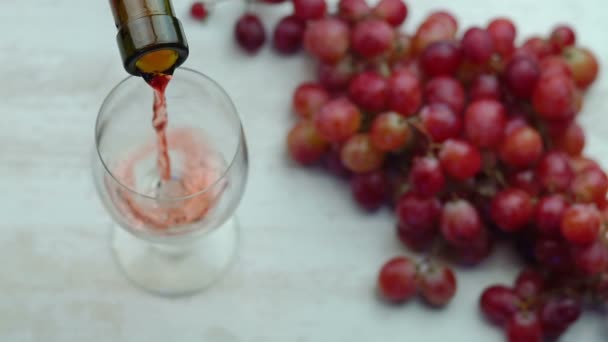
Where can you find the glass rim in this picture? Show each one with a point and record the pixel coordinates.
(223, 174)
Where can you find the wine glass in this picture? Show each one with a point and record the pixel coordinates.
(175, 236)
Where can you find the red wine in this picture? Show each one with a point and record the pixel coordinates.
(159, 122)
(196, 166)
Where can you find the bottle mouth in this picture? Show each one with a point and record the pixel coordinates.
(157, 62)
(154, 44)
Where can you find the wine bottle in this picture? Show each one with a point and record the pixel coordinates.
(150, 38)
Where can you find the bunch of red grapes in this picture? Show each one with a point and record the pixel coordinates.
(471, 139)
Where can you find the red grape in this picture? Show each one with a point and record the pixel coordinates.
(572, 141)
(512, 209)
(438, 26)
(485, 87)
(305, 144)
(369, 91)
(445, 90)
(537, 47)
(477, 251)
(499, 304)
(249, 32)
(370, 190)
(333, 163)
(553, 65)
(410, 65)
(288, 35)
(440, 122)
(444, 18)
(459, 159)
(525, 180)
(402, 49)
(554, 172)
(562, 36)
(309, 98)
(460, 223)
(438, 285)
(558, 313)
(514, 123)
(521, 148)
(549, 212)
(593, 259)
(477, 45)
(503, 34)
(417, 212)
(397, 279)
(524, 327)
(337, 120)
(359, 154)
(404, 93)
(353, 10)
(556, 128)
(426, 177)
(580, 164)
(390, 132)
(309, 9)
(521, 76)
(484, 123)
(581, 224)
(393, 12)
(337, 76)
(198, 11)
(468, 71)
(327, 39)
(441, 58)
(590, 186)
(372, 38)
(416, 239)
(554, 98)
(583, 64)
(529, 285)
(552, 254)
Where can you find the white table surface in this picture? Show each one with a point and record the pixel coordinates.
(308, 258)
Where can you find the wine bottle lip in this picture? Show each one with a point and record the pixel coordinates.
(182, 55)
(149, 34)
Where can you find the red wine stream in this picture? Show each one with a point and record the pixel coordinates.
(159, 121)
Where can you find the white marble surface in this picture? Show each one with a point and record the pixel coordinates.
(307, 262)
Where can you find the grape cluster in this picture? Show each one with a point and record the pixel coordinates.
(536, 307)
(471, 139)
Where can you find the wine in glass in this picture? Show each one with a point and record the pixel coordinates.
(175, 231)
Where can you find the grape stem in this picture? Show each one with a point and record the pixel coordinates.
(495, 174)
(415, 122)
(426, 261)
(384, 69)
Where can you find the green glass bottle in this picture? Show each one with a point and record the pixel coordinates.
(150, 38)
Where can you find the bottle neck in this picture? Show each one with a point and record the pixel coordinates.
(150, 38)
(128, 10)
